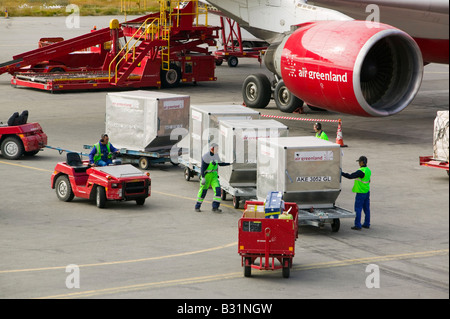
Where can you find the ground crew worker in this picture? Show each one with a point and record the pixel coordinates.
(100, 154)
(319, 133)
(210, 177)
(362, 189)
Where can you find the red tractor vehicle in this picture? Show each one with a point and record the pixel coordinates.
(18, 138)
(115, 182)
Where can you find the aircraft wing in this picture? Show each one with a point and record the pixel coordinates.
(419, 18)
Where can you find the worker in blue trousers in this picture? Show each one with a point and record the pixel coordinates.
(101, 153)
(362, 189)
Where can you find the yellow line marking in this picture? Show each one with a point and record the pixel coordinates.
(235, 275)
(190, 198)
(25, 166)
(123, 261)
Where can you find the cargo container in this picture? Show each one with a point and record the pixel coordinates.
(141, 123)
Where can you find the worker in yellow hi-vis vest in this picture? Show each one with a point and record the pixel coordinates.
(362, 189)
(209, 176)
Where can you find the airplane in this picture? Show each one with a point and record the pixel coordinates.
(360, 57)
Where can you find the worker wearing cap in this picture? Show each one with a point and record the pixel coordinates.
(209, 177)
(100, 154)
(362, 189)
(319, 133)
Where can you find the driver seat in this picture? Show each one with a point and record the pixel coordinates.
(74, 160)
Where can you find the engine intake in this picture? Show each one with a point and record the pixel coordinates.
(353, 67)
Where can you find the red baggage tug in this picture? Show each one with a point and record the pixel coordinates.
(267, 240)
(21, 139)
(161, 49)
(117, 182)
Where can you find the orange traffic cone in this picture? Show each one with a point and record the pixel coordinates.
(339, 138)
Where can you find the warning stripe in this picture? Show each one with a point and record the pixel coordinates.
(299, 118)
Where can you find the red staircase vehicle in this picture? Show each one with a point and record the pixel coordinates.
(161, 49)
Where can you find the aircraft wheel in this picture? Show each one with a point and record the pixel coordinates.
(285, 100)
(256, 91)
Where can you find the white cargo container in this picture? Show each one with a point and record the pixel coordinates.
(307, 170)
(238, 146)
(204, 126)
(441, 136)
(144, 120)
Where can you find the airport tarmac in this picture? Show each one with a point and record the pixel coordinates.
(166, 250)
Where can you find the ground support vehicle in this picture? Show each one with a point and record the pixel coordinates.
(142, 158)
(238, 193)
(431, 162)
(440, 157)
(267, 240)
(161, 49)
(234, 47)
(17, 140)
(116, 182)
(320, 216)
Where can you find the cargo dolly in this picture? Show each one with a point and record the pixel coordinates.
(268, 240)
(320, 216)
(142, 158)
(431, 162)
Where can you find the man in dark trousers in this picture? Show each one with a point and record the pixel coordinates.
(362, 189)
(209, 177)
(100, 154)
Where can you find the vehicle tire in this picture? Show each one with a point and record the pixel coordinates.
(232, 61)
(247, 269)
(256, 91)
(57, 70)
(144, 163)
(12, 148)
(236, 200)
(187, 174)
(100, 197)
(63, 189)
(172, 77)
(335, 225)
(140, 201)
(219, 62)
(285, 100)
(286, 268)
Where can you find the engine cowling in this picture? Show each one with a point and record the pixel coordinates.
(354, 67)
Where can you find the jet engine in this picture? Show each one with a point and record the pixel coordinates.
(354, 67)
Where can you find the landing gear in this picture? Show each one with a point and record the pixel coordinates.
(257, 91)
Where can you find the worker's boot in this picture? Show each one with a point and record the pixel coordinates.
(216, 210)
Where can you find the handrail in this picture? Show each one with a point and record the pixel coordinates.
(163, 26)
(128, 49)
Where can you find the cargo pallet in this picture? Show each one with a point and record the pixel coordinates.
(431, 162)
(163, 49)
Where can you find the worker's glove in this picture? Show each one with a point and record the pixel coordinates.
(203, 181)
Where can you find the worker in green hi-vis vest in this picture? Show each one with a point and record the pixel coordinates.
(362, 189)
(319, 133)
(209, 177)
